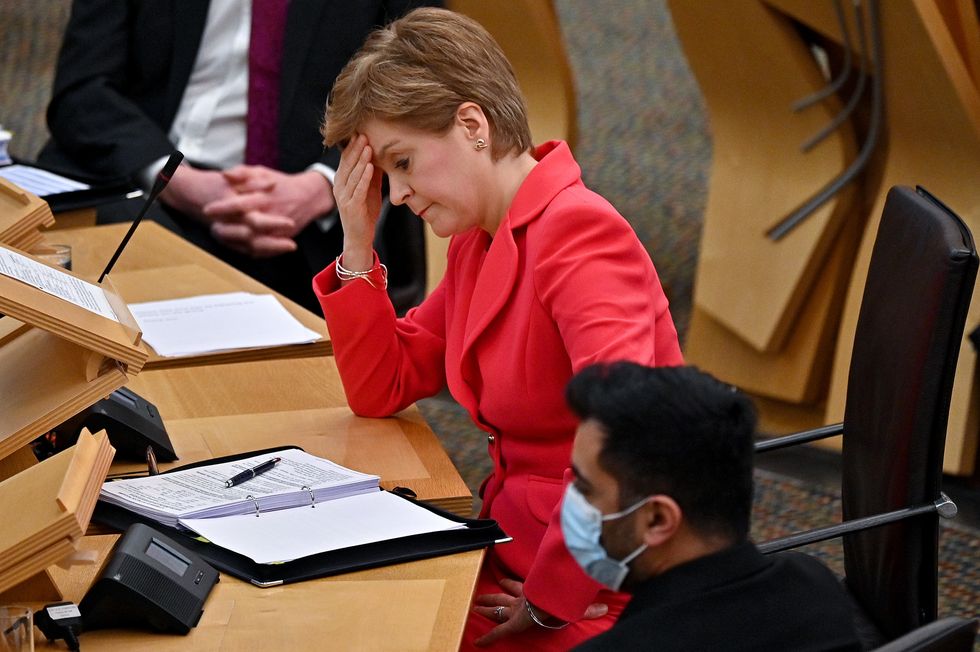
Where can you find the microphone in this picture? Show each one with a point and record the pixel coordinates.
(163, 178)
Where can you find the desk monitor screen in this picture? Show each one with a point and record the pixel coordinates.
(168, 557)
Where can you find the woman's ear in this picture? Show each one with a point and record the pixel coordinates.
(660, 519)
(471, 118)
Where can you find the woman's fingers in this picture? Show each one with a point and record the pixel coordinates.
(361, 172)
(349, 158)
(357, 191)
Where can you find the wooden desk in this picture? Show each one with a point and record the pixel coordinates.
(218, 410)
(225, 408)
(242, 387)
(415, 606)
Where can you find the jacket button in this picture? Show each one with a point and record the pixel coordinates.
(490, 439)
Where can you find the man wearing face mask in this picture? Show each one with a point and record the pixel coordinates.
(660, 507)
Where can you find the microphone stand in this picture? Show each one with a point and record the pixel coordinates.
(163, 178)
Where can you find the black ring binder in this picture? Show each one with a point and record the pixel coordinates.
(477, 533)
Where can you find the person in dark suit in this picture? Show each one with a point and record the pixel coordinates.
(660, 508)
(240, 88)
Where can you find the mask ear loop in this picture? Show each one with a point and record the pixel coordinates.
(625, 561)
(626, 512)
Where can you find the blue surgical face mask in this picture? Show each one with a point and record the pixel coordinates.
(581, 524)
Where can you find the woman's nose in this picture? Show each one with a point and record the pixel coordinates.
(398, 191)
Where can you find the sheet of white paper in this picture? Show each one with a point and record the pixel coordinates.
(218, 322)
(302, 531)
(40, 182)
(55, 282)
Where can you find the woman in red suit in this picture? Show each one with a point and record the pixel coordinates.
(544, 277)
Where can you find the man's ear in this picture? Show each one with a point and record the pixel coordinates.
(660, 519)
(470, 116)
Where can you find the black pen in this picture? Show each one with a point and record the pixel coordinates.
(248, 474)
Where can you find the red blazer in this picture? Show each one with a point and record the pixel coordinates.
(564, 283)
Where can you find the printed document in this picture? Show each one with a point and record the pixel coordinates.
(300, 479)
(40, 182)
(55, 282)
(218, 322)
(294, 533)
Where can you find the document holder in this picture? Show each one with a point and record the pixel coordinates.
(22, 214)
(45, 510)
(478, 533)
(56, 357)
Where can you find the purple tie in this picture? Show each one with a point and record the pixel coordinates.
(264, 64)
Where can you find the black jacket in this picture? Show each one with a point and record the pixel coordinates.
(737, 599)
(124, 65)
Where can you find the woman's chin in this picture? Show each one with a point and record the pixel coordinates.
(441, 230)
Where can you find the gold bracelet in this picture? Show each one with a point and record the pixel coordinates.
(538, 621)
(370, 275)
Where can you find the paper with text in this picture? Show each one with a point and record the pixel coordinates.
(40, 182)
(201, 492)
(55, 282)
(218, 322)
(294, 533)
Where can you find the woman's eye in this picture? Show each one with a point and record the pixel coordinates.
(402, 164)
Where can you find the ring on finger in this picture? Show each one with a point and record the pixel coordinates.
(498, 613)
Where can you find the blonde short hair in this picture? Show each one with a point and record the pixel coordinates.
(418, 70)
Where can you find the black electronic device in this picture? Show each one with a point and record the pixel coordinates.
(131, 422)
(60, 621)
(149, 581)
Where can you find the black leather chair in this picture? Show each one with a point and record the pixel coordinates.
(920, 280)
(953, 634)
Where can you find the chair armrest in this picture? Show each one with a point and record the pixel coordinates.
(799, 438)
(951, 633)
(944, 506)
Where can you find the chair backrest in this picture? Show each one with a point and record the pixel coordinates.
(920, 280)
(953, 634)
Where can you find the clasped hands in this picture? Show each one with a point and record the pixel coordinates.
(252, 209)
(509, 610)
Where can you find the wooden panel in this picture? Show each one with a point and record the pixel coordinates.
(115, 338)
(530, 36)
(61, 492)
(960, 17)
(75, 219)
(800, 371)
(43, 383)
(933, 135)
(751, 285)
(22, 214)
(242, 387)
(436, 251)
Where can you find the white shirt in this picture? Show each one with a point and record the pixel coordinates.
(210, 126)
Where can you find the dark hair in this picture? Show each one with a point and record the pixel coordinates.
(675, 431)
